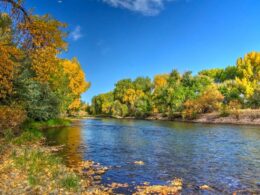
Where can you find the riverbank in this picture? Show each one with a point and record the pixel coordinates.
(242, 117)
(29, 166)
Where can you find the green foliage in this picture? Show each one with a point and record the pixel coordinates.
(254, 100)
(121, 88)
(28, 136)
(143, 84)
(174, 94)
(31, 73)
(8, 134)
(119, 109)
(32, 125)
(40, 102)
(102, 103)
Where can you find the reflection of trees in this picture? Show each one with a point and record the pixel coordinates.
(71, 137)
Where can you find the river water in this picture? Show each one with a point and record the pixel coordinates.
(225, 157)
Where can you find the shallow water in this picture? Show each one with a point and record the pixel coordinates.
(226, 157)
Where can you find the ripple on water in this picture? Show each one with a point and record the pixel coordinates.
(225, 157)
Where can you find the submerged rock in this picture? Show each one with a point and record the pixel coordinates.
(175, 187)
(206, 187)
(139, 162)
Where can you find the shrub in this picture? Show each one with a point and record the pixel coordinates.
(11, 118)
(254, 101)
(209, 101)
(225, 111)
(39, 101)
(119, 109)
(234, 107)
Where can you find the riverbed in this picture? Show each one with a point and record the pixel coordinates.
(224, 157)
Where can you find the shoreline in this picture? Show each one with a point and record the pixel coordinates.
(247, 117)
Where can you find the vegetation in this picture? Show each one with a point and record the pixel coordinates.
(226, 90)
(35, 83)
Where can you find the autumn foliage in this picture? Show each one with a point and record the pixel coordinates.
(32, 75)
(11, 117)
(186, 95)
(209, 101)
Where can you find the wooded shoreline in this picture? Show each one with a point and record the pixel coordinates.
(246, 117)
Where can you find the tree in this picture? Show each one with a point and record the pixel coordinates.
(210, 100)
(121, 87)
(254, 100)
(160, 80)
(102, 104)
(9, 57)
(119, 109)
(143, 84)
(249, 73)
(76, 82)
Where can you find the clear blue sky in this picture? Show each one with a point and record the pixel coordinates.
(115, 39)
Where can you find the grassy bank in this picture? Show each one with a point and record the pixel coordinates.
(29, 167)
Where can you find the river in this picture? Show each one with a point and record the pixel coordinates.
(225, 157)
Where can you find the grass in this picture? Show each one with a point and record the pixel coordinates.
(41, 167)
(28, 136)
(70, 181)
(45, 124)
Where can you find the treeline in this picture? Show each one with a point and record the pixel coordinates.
(187, 95)
(34, 82)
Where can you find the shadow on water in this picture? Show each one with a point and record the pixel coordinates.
(224, 156)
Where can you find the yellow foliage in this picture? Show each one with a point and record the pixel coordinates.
(44, 63)
(8, 66)
(11, 117)
(76, 104)
(160, 80)
(249, 70)
(76, 76)
(45, 42)
(44, 32)
(132, 95)
(210, 100)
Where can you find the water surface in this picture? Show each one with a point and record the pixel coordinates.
(226, 157)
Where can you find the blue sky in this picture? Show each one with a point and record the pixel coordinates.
(115, 39)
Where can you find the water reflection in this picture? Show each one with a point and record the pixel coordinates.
(71, 137)
(224, 156)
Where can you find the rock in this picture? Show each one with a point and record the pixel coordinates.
(146, 183)
(139, 162)
(177, 183)
(97, 177)
(205, 187)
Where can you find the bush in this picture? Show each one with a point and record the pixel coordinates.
(39, 101)
(119, 109)
(254, 101)
(234, 107)
(209, 101)
(225, 111)
(11, 118)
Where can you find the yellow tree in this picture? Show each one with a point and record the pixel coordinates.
(9, 55)
(131, 96)
(76, 81)
(44, 41)
(160, 80)
(249, 73)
